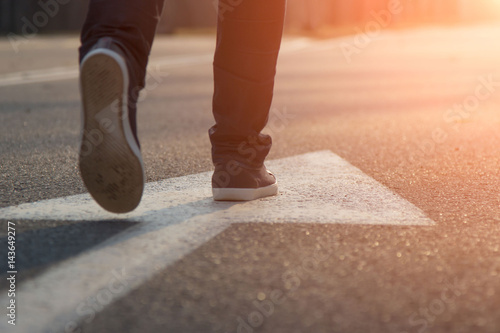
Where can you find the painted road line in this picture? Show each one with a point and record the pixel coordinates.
(72, 72)
(37, 76)
(317, 187)
(177, 216)
(67, 73)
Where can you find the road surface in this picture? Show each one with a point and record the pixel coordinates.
(387, 151)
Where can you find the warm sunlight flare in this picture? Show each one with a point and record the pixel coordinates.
(495, 3)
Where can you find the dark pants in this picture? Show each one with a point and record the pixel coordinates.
(248, 40)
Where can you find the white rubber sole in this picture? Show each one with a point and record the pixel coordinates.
(244, 194)
(110, 161)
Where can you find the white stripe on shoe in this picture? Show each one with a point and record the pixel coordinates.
(244, 194)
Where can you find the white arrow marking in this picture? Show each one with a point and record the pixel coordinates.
(177, 216)
(317, 187)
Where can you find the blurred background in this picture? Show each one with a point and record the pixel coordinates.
(312, 16)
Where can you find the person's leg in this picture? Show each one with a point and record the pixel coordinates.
(132, 25)
(248, 40)
(116, 41)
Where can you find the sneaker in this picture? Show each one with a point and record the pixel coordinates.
(110, 161)
(231, 182)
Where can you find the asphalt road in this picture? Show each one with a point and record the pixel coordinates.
(416, 110)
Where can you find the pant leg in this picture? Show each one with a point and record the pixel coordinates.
(132, 25)
(248, 40)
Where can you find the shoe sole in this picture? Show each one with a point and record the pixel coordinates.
(110, 160)
(244, 194)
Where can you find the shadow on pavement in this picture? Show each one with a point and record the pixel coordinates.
(37, 250)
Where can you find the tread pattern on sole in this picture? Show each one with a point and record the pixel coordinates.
(110, 161)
